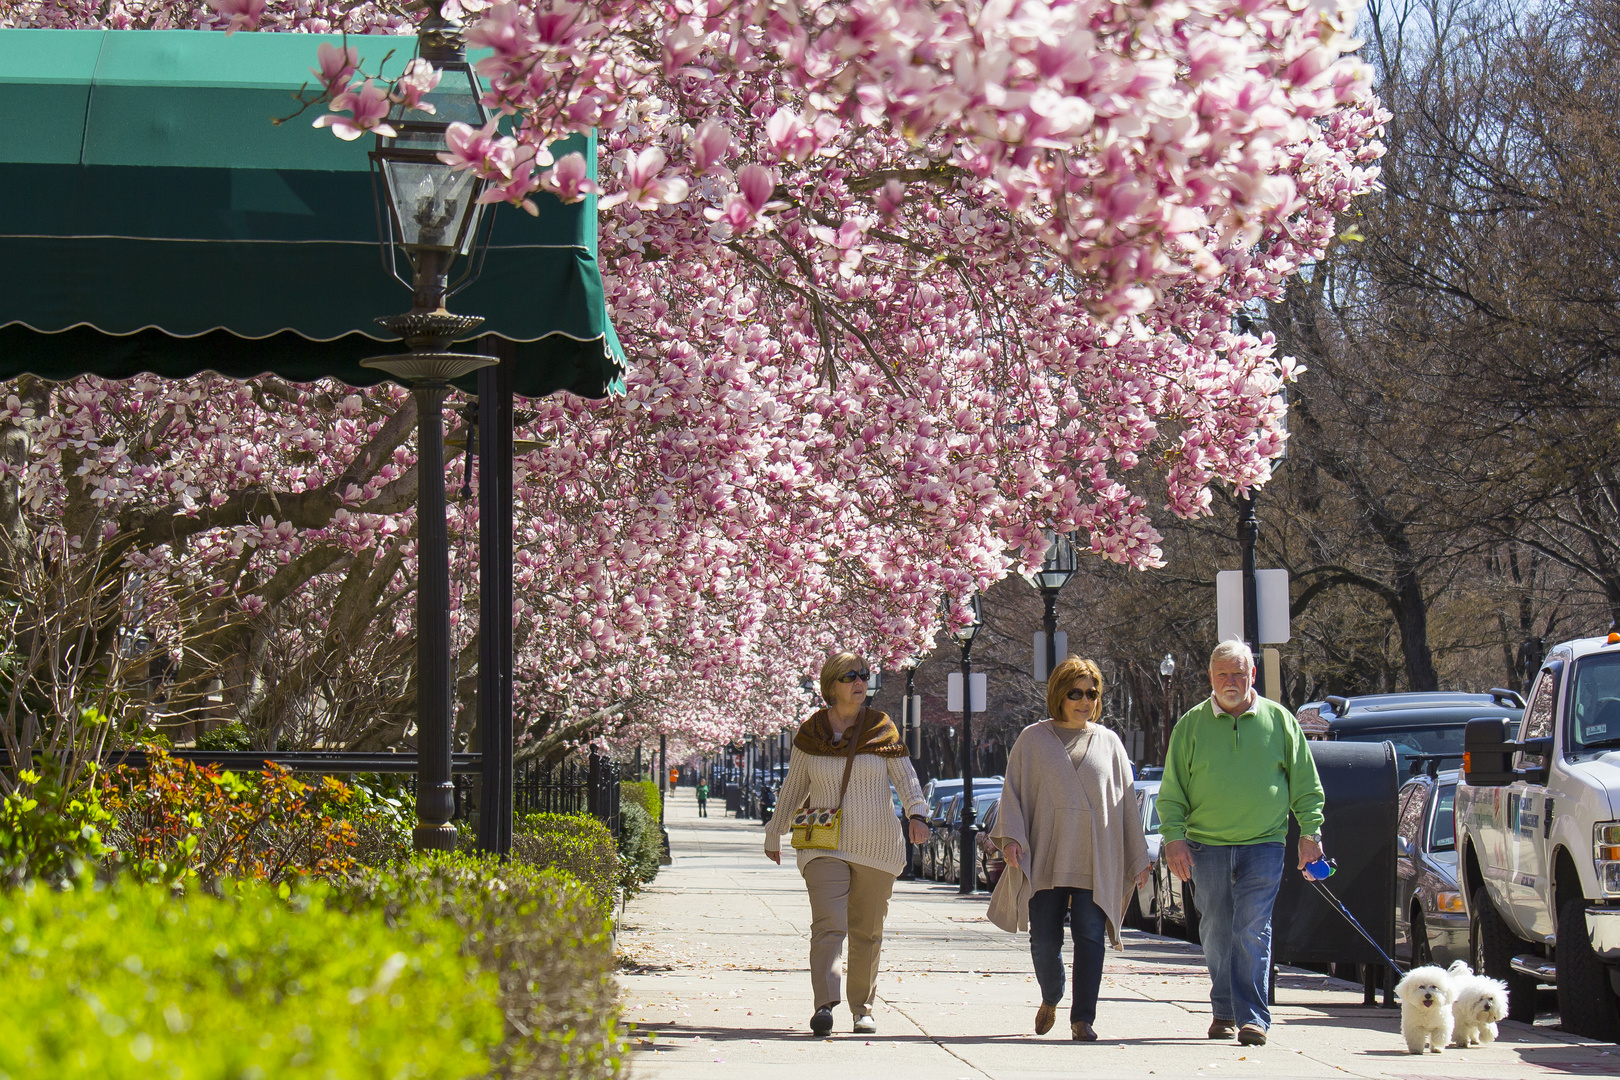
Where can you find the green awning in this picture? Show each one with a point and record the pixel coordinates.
(153, 219)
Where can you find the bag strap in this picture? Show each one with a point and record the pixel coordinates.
(849, 755)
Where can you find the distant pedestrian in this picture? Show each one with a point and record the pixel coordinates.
(1237, 765)
(844, 759)
(703, 799)
(1071, 832)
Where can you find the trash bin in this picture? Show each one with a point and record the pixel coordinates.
(1360, 782)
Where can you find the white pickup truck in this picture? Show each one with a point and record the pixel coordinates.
(1538, 826)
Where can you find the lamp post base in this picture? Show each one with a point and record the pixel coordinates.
(434, 838)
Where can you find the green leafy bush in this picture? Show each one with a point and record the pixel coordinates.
(134, 982)
(382, 813)
(644, 793)
(641, 846)
(230, 736)
(541, 933)
(49, 830)
(577, 843)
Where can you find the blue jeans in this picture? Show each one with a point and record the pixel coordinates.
(1235, 888)
(1089, 925)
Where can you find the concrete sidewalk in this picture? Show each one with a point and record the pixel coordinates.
(715, 979)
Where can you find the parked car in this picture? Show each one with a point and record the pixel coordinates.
(1421, 726)
(991, 863)
(1431, 919)
(1142, 906)
(943, 840)
(1540, 858)
(1175, 909)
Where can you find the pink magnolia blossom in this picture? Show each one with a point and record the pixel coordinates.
(420, 78)
(369, 106)
(242, 14)
(337, 67)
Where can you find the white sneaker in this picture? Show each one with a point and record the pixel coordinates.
(865, 1025)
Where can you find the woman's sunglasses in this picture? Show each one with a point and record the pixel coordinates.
(855, 676)
(1083, 695)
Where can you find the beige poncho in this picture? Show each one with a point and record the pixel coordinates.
(1051, 808)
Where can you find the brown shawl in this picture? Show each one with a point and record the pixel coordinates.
(880, 737)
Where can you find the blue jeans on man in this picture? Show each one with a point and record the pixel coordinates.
(1235, 888)
(1089, 926)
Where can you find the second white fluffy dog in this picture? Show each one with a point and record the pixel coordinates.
(1479, 1004)
(1426, 995)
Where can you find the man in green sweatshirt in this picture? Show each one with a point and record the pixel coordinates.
(1236, 766)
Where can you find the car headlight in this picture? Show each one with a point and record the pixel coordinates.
(1606, 856)
(1451, 903)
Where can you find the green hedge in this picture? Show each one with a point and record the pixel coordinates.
(641, 846)
(542, 933)
(644, 793)
(133, 982)
(577, 843)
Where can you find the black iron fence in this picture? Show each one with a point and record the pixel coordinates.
(579, 784)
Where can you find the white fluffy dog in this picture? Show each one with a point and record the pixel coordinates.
(1426, 994)
(1480, 1003)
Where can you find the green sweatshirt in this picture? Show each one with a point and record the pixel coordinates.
(1232, 781)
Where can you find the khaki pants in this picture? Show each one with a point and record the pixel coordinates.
(853, 900)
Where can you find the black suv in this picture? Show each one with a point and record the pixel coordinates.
(1424, 727)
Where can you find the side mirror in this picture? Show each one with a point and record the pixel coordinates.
(1403, 845)
(1488, 753)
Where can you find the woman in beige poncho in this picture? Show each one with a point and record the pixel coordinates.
(1072, 834)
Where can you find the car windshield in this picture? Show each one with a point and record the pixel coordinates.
(1595, 716)
(1443, 829)
(1152, 814)
(1414, 742)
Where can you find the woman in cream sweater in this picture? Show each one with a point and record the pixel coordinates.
(1069, 826)
(849, 886)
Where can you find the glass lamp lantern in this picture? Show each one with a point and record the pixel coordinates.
(433, 213)
(1059, 566)
(1167, 666)
(965, 634)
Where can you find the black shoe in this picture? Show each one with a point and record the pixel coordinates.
(821, 1023)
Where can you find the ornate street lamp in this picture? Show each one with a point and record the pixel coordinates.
(1167, 668)
(965, 634)
(1059, 566)
(433, 219)
(874, 684)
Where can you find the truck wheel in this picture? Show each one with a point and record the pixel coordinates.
(1586, 1004)
(1492, 946)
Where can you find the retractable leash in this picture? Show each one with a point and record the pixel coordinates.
(1317, 874)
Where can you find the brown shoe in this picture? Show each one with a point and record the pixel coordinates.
(1252, 1035)
(1222, 1029)
(1080, 1031)
(1045, 1017)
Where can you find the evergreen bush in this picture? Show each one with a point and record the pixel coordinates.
(644, 793)
(132, 982)
(641, 846)
(576, 843)
(541, 933)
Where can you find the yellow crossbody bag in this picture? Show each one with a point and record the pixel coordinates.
(819, 829)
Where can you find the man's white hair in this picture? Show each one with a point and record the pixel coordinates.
(1233, 649)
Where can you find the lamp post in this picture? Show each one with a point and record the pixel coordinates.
(965, 862)
(1248, 536)
(1167, 668)
(874, 684)
(1056, 570)
(434, 219)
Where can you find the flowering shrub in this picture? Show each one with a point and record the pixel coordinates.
(176, 821)
(132, 982)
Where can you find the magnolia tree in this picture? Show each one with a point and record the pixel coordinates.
(902, 283)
